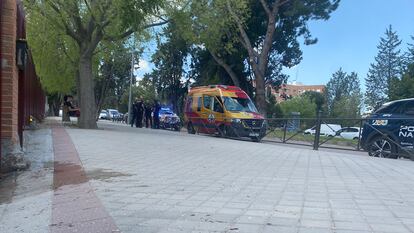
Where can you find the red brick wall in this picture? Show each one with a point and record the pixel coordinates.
(296, 90)
(9, 73)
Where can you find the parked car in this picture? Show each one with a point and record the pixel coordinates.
(351, 133)
(389, 131)
(103, 114)
(169, 120)
(326, 130)
(112, 113)
(223, 110)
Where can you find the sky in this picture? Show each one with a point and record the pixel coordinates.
(348, 39)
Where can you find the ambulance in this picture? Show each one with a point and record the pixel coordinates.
(223, 110)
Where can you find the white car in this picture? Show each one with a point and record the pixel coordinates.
(103, 114)
(112, 113)
(352, 133)
(326, 130)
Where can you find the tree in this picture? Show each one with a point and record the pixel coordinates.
(387, 67)
(205, 70)
(317, 98)
(144, 89)
(286, 20)
(267, 30)
(343, 89)
(87, 23)
(302, 104)
(404, 88)
(409, 55)
(169, 77)
(113, 78)
(54, 59)
(273, 109)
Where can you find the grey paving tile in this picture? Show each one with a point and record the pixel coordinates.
(258, 187)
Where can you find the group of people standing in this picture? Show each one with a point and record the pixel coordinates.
(145, 112)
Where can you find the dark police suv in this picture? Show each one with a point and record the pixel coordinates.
(389, 131)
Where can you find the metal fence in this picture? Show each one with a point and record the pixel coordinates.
(319, 132)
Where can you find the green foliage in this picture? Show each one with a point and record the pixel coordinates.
(206, 71)
(144, 89)
(343, 89)
(169, 77)
(317, 98)
(409, 56)
(225, 27)
(273, 109)
(54, 55)
(113, 79)
(404, 87)
(87, 24)
(302, 104)
(388, 66)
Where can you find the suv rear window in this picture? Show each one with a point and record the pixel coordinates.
(408, 107)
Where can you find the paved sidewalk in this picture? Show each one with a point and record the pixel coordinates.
(26, 197)
(75, 207)
(125, 179)
(162, 181)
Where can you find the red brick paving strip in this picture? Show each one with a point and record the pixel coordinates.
(75, 207)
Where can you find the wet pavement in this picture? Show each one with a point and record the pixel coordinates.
(75, 207)
(26, 196)
(123, 179)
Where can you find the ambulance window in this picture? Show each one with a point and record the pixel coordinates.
(198, 104)
(217, 107)
(207, 101)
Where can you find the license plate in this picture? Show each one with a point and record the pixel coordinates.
(253, 134)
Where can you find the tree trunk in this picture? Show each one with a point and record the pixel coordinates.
(260, 92)
(227, 68)
(77, 79)
(86, 93)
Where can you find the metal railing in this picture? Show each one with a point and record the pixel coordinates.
(318, 132)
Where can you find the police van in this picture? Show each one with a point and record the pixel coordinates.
(389, 131)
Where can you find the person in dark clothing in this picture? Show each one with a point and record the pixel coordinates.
(157, 108)
(140, 113)
(71, 110)
(134, 113)
(148, 118)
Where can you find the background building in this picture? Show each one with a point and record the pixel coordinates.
(287, 91)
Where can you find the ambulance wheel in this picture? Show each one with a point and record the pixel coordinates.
(256, 139)
(190, 128)
(382, 147)
(222, 130)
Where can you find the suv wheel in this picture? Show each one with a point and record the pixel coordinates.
(382, 147)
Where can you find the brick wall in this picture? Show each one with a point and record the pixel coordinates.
(295, 90)
(9, 81)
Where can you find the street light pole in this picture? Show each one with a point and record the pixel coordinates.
(130, 88)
